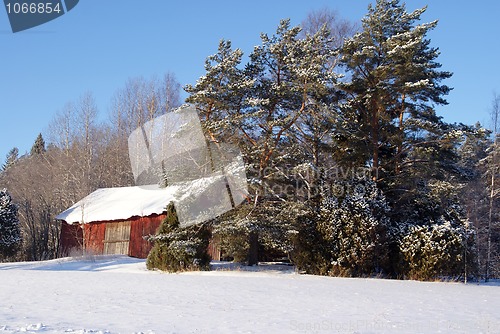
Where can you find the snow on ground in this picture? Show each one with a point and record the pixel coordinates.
(118, 295)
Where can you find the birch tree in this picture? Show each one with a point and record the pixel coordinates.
(492, 175)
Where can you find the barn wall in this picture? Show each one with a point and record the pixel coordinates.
(71, 238)
(94, 237)
(214, 249)
(94, 233)
(143, 226)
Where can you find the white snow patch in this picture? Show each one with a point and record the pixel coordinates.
(116, 294)
(119, 203)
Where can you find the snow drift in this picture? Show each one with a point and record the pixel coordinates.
(118, 295)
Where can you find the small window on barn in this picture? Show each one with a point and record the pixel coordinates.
(117, 238)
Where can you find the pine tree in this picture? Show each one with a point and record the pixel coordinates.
(219, 95)
(472, 151)
(294, 127)
(277, 102)
(390, 122)
(10, 232)
(292, 82)
(394, 81)
(38, 147)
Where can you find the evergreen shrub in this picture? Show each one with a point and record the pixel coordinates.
(179, 249)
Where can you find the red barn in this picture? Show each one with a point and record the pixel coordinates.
(114, 220)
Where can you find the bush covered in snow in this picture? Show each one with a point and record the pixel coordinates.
(310, 254)
(355, 233)
(179, 249)
(432, 234)
(354, 226)
(433, 251)
(348, 236)
(271, 227)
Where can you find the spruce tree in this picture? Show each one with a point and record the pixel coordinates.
(179, 249)
(38, 147)
(10, 231)
(12, 157)
(395, 82)
(433, 251)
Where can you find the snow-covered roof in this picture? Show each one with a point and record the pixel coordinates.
(119, 203)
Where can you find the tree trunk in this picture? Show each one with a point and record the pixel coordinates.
(401, 136)
(495, 114)
(490, 213)
(253, 251)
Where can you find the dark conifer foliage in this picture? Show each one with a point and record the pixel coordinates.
(10, 231)
(179, 249)
(305, 129)
(38, 147)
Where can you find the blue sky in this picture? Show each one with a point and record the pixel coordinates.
(98, 45)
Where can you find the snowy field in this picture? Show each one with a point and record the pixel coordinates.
(118, 295)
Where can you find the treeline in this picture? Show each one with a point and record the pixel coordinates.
(350, 170)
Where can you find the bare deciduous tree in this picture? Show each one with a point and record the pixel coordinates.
(142, 100)
(493, 169)
(338, 27)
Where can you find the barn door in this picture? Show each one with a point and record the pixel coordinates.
(117, 238)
